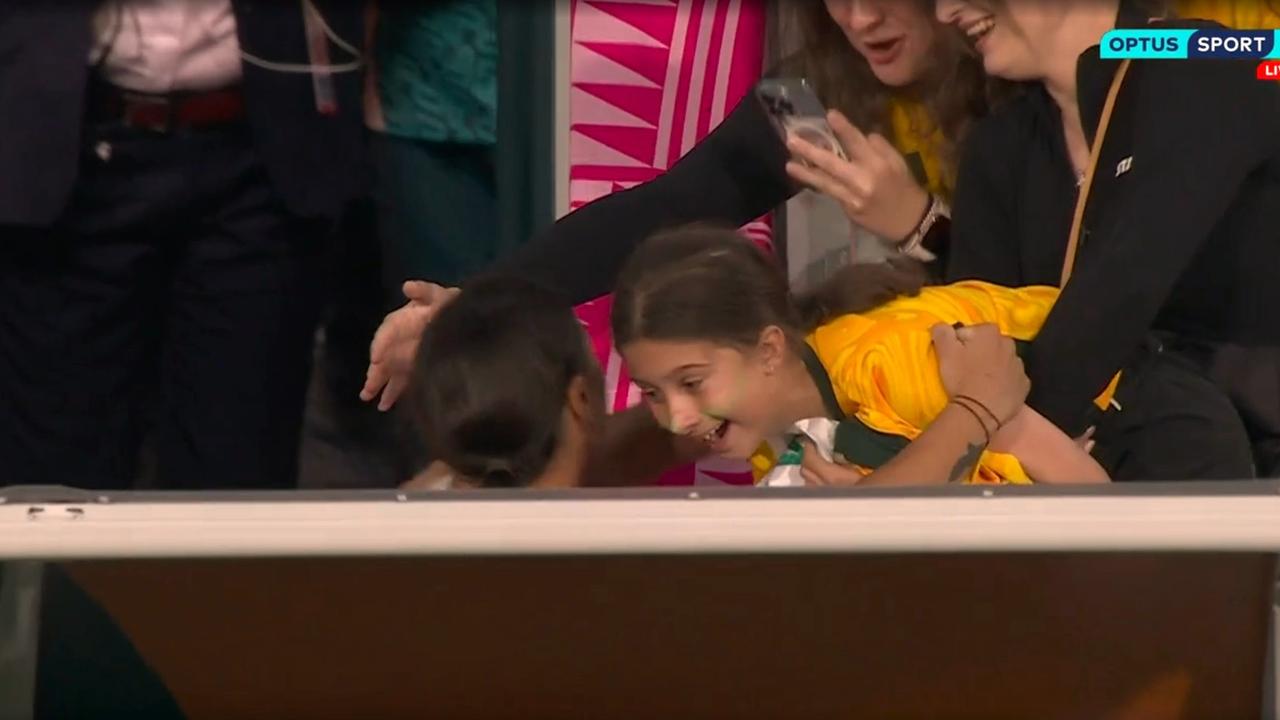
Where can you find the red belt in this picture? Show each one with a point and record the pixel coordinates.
(175, 111)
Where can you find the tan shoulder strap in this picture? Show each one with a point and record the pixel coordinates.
(1073, 240)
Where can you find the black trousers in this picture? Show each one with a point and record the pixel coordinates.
(177, 295)
(1173, 424)
(1250, 376)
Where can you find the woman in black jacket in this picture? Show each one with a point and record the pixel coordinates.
(1178, 249)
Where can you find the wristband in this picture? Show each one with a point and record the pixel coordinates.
(985, 409)
(977, 418)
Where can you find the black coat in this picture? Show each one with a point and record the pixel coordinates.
(1185, 241)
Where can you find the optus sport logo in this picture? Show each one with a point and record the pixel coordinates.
(1183, 44)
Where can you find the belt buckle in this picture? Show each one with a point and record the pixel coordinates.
(148, 112)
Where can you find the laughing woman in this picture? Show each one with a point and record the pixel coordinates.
(1155, 189)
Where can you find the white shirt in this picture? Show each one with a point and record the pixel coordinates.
(158, 46)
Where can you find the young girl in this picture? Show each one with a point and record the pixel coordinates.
(509, 395)
(723, 354)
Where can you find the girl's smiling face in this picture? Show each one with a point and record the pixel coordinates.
(700, 389)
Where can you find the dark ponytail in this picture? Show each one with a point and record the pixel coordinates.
(492, 378)
(859, 288)
(705, 282)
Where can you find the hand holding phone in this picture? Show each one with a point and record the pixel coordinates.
(863, 172)
(795, 110)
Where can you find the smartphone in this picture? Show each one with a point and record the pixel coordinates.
(795, 109)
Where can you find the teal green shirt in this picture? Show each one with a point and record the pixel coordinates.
(438, 69)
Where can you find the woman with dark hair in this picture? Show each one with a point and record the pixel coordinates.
(899, 81)
(1151, 191)
(508, 394)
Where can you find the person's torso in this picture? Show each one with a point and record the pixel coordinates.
(1240, 14)
(314, 157)
(1237, 260)
(161, 46)
(437, 70)
(917, 136)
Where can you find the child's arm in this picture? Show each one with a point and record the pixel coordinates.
(1046, 453)
(634, 451)
(944, 453)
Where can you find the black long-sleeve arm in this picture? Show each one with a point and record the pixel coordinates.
(983, 242)
(736, 174)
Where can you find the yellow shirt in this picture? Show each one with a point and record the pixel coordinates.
(884, 369)
(915, 133)
(1239, 14)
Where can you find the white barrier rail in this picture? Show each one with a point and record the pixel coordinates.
(666, 523)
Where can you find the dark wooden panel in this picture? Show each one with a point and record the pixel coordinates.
(967, 636)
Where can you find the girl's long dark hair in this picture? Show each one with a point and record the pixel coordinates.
(710, 283)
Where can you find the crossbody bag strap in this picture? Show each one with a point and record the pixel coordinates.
(1077, 221)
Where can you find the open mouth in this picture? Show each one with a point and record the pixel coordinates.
(715, 435)
(882, 52)
(978, 30)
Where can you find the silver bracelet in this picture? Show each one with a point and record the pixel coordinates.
(913, 246)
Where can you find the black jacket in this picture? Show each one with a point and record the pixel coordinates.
(314, 161)
(734, 175)
(1186, 241)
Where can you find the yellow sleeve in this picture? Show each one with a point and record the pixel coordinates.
(1018, 312)
(884, 369)
(883, 360)
(1239, 14)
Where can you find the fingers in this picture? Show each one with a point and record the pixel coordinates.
(885, 152)
(1086, 441)
(374, 379)
(396, 341)
(384, 337)
(855, 143)
(391, 393)
(813, 467)
(810, 477)
(420, 290)
(817, 470)
(825, 184)
(946, 340)
(987, 335)
(840, 170)
(812, 459)
(969, 333)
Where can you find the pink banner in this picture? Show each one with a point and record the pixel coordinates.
(649, 79)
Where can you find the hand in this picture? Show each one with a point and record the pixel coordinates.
(980, 362)
(874, 186)
(395, 344)
(817, 470)
(1086, 441)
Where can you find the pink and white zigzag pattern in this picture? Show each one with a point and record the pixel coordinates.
(649, 79)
